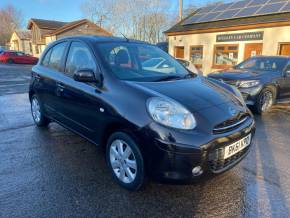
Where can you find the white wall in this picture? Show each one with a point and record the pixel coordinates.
(272, 38)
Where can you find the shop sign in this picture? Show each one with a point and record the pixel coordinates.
(240, 37)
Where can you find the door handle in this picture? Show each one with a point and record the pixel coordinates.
(60, 87)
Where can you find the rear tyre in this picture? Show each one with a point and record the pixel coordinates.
(38, 112)
(125, 161)
(10, 61)
(265, 100)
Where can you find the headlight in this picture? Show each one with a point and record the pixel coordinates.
(248, 83)
(170, 113)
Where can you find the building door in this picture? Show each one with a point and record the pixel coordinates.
(253, 49)
(179, 52)
(284, 49)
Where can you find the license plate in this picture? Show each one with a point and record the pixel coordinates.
(236, 147)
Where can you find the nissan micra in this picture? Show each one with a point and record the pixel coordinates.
(154, 120)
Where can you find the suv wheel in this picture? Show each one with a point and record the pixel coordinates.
(265, 100)
(37, 112)
(125, 161)
(10, 61)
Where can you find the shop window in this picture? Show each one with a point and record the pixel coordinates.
(225, 55)
(196, 55)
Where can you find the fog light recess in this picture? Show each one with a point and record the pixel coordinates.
(197, 171)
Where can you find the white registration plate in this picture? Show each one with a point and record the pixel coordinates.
(236, 147)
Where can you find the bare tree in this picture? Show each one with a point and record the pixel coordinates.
(10, 19)
(189, 9)
(139, 19)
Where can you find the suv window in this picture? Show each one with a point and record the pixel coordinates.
(56, 56)
(79, 57)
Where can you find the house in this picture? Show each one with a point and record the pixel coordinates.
(220, 36)
(21, 41)
(46, 31)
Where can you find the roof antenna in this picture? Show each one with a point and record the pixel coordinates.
(125, 37)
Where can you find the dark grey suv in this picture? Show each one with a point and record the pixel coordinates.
(263, 81)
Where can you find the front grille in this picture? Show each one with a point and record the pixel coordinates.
(231, 124)
(216, 160)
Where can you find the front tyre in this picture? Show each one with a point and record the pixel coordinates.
(125, 161)
(265, 100)
(37, 112)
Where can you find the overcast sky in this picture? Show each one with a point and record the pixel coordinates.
(66, 10)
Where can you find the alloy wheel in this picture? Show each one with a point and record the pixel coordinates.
(35, 109)
(266, 100)
(123, 161)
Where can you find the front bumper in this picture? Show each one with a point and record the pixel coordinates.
(174, 161)
(250, 94)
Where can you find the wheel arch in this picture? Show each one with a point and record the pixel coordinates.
(31, 93)
(113, 127)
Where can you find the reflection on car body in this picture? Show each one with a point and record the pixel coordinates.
(170, 125)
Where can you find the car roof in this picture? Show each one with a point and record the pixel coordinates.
(102, 39)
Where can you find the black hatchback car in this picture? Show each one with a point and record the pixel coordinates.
(160, 122)
(263, 81)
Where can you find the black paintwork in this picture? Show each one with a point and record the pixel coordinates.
(279, 79)
(95, 110)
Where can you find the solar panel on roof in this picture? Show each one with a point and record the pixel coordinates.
(209, 17)
(240, 4)
(270, 8)
(228, 14)
(206, 9)
(192, 19)
(222, 7)
(275, 1)
(258, 2)
(247, 11)
(286, 7)
(240, 9)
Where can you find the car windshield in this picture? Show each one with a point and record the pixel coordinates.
(140, 62)
(263, 64)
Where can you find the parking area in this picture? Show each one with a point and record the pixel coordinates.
(51, 172)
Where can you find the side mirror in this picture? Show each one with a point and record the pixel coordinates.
(86, 75)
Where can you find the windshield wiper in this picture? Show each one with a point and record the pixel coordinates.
(168, 78)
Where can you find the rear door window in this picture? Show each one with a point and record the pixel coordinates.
(56, 56)
(45, 59)
(79, 57)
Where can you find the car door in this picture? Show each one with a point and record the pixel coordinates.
(49, 75)
(14, 57)
(81, 104)
(285, 84)
(20, 58)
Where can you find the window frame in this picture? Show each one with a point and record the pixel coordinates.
(97, 67)
(175, 51)
(222, 66)
(199, 66)
(50, 48)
